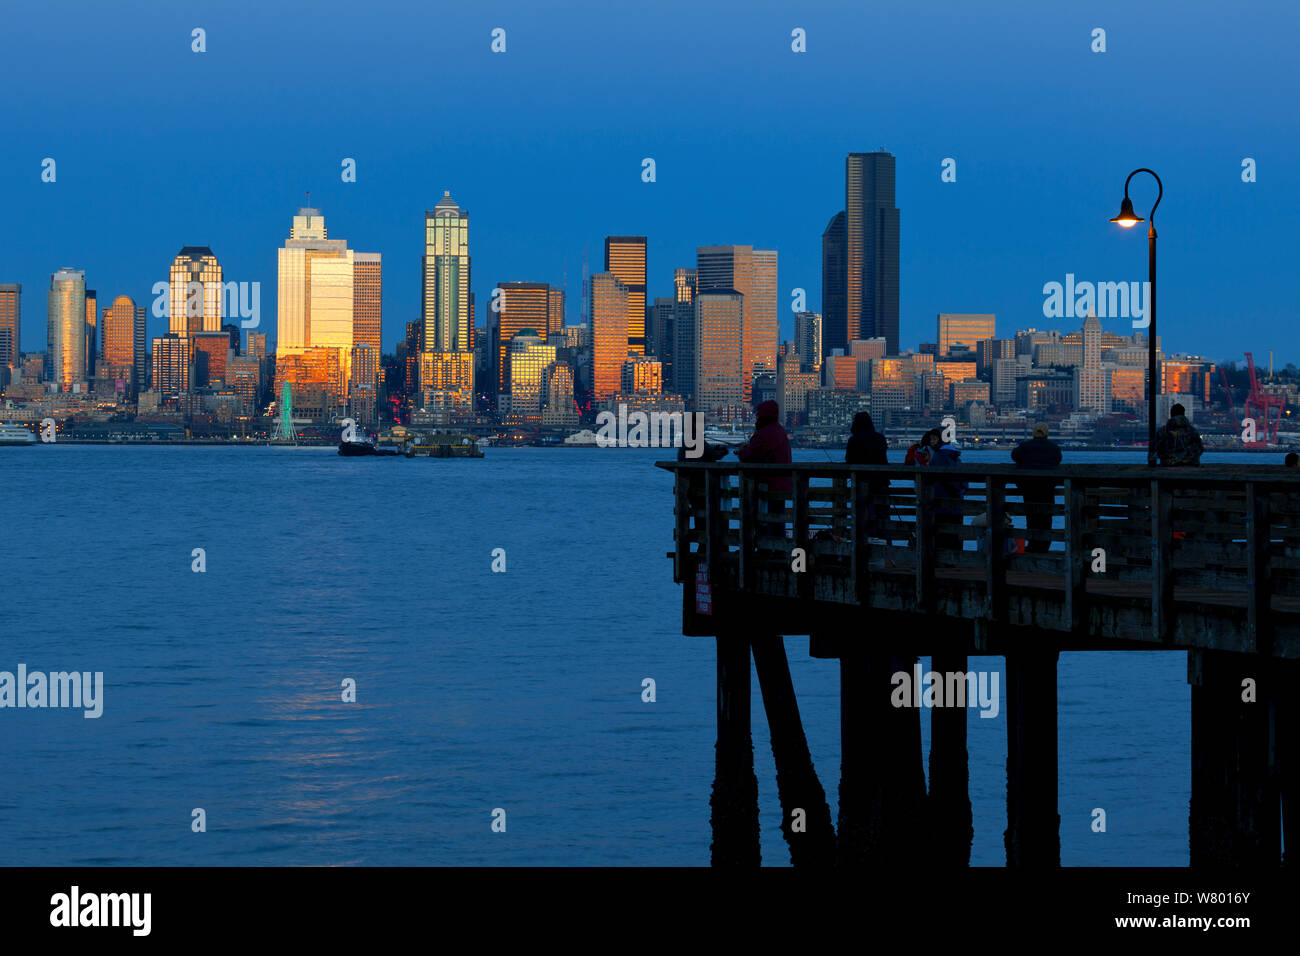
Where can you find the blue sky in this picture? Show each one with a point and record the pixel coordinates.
(159, 147)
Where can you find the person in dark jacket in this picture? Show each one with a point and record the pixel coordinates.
(1177, 442)
(948, 496)
(920, 453)
(868, 447)
(1039, 453)
(769, 443)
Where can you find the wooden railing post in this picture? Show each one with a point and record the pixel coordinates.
(715, 527)
(1258, 590)
(1075, 557)
(1162, 578)
(995, 539)
(860, 511)
(805, 578)
(924, 544)
(749, 531)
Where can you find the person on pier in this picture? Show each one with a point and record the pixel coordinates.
(920, 453)
(1177, 442)
(1039, 453)
(868, 447)
(769, 444)
(948, 496)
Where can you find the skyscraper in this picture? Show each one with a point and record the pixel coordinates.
(195, 292)
(530, 356)
(11, 294)
(752, 273)
(1091, 386)
(609, 340)
(445, 271)
(315, 310)
(367, 299)
(65, 318)
(92, 331)
(719, 352)
(625, 259)
(963, 330)
(835, 329)
(123, 335)
(683, 350)
(515, 307)
(808, 338)
(870, 252)
(446, 304)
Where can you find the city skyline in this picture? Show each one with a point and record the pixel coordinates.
(772, 180)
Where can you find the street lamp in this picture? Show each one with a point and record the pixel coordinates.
(1128, 219)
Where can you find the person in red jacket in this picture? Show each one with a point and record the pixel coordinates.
(771, 444)
(920, 453)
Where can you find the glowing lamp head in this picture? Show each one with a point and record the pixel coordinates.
(1127, 217)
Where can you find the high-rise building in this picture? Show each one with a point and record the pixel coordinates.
(209, 352)
(196, 292)
(92, 331)
(835, 258)
(625, 259)
(682, 363)
(642, 373)
(171, 364)
(808, 339)
(870, 249)
(660, 322)
(609, 348)
(65, 318)
(752, 273)
(123, 338)
(445, 300)
(684, 284)
(1092, 386)
(517, 306)
(11, 294)
(963, 330)
(530, 356)
(560, 409)
(719, 376)
(367, 299)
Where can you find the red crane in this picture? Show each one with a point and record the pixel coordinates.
(1259, 406)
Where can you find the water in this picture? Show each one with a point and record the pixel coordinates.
(475, 690)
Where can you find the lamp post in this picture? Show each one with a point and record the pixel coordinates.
(1128, 219)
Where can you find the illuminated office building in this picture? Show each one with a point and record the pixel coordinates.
(530, 356)
(11, 294)
(92, 331)
(196, 291)
(209, 351)
(65, 317)
(808, 339)
(517, 306)
(719, 357)
(963, 330)
(871, 249)
(172, 362)
(642, 373)
(609, 340)
(123, 339)
(752, 273)
(560, 409)
(367, 299)
(625, 259)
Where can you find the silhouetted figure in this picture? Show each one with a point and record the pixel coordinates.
(712, 452)
(868, 447)
(1177, 442)
(948, 497)
(1038, 453)
(1292, 460)
(920, 453)
(769, 443)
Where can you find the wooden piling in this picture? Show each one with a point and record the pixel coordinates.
(951, 822)
(1235, 812)
(882, 820)
(797, 785)
(1033, 834)
(735, 788)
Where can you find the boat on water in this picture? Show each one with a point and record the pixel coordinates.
(583, 439)
(16, 435)
(438, 443)
(362, 449)
(730, 436)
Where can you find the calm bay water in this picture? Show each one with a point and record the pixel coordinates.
(475, 690)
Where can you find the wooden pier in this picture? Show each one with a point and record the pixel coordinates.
(883, 564)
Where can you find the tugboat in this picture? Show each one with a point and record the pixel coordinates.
(361, 449)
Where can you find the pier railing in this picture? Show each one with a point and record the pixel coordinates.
(1205, 557)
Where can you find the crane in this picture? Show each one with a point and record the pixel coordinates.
(1260, 405)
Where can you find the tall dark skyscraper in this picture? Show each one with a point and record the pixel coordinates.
(870, 251)
(835, 329)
